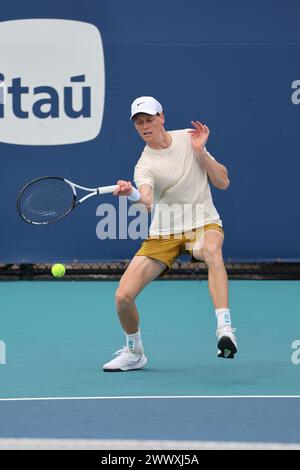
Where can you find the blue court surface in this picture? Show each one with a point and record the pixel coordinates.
(56, 335)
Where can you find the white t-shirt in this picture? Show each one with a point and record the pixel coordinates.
(182, 195)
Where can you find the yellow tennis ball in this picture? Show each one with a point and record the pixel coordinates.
(58, 270)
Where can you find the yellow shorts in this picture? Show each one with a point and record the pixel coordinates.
(168, 249)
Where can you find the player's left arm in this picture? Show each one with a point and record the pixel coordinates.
(217, 173)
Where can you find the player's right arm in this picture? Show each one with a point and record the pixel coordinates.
(146, 192)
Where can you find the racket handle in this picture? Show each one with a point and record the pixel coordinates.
(107, 189)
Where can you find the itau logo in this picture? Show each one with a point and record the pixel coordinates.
(52, 82)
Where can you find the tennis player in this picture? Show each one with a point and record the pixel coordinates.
(174, 171)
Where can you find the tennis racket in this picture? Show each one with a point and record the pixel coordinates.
(49, 199)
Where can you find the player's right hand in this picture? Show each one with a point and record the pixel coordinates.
(124, 188)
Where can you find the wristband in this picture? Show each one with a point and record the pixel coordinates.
(134, 196)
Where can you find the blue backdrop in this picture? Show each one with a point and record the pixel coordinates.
(228, 64)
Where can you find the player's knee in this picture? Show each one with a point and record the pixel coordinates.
(123, 299)
(212, 253)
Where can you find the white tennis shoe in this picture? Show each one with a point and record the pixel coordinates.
(126, 360)
(227, 344)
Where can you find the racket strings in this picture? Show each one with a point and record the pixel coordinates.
(46, 200)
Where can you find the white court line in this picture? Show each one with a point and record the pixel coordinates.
(153, 397)
(105, 444)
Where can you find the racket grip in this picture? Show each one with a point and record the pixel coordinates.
(108, 189)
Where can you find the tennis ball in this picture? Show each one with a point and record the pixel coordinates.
(58, 270)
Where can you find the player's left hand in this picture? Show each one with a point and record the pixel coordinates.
(199, 135)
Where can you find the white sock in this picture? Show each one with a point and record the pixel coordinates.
(223, 317)
(134, 342)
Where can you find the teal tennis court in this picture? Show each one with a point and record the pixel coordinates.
(58, 334)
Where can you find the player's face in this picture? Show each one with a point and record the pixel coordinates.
(149, 127)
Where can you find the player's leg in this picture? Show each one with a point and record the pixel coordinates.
(211, 253)
(139, 273)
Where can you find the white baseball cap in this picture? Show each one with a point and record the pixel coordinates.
(147, 105)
